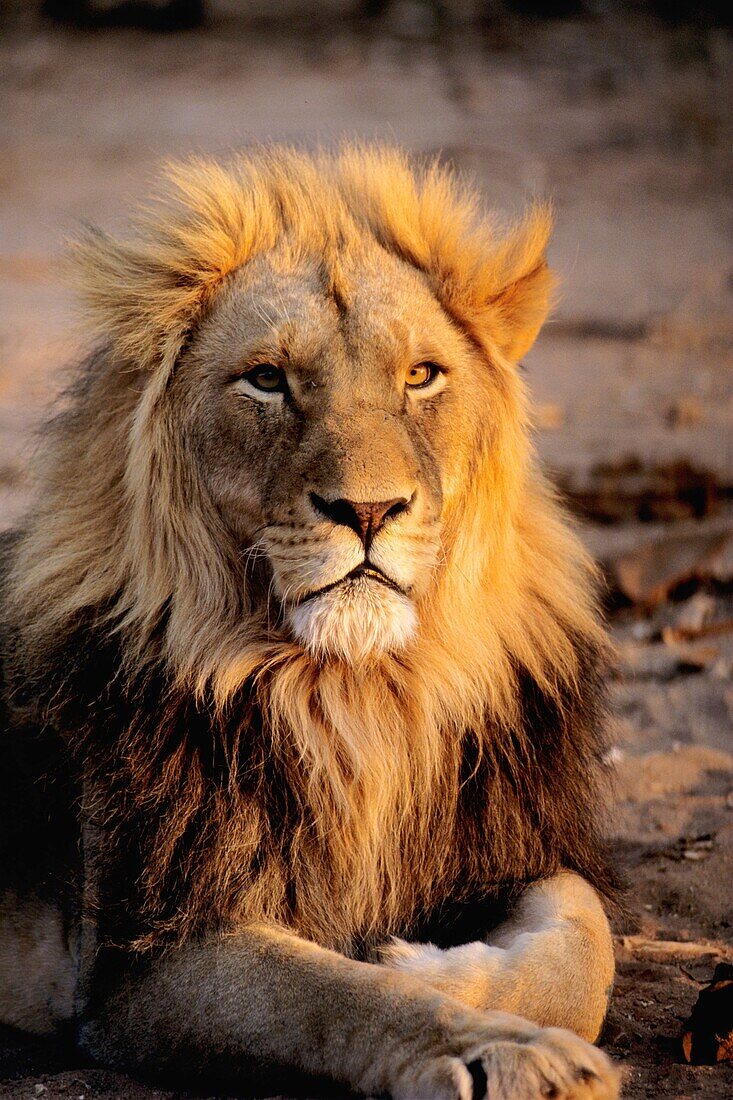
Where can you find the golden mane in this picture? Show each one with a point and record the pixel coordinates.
(123, 539)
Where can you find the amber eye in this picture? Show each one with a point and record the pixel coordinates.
(267, 378)
(421, 375)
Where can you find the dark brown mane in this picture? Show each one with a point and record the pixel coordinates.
(232, 775)
(204, 825)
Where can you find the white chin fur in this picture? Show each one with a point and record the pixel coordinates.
(354, 621)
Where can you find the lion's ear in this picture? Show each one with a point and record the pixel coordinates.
(522, 293)
(143, 293)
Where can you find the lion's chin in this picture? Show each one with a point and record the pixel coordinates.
(354, 621)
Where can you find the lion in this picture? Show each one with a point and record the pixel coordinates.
(302, 663)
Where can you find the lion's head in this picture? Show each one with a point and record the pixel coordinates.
(296, 477)
(337, 414)
(311, 367)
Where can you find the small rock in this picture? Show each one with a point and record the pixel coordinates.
(657, 662)
(697, 849)
(649, 572)
(722, 669)
(690, 655)
(643, 630)
(695, 612)
(39, 1089)
(721, 563)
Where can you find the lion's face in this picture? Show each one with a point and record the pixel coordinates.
(333, 422)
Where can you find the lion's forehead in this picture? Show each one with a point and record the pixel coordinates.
(364, 313)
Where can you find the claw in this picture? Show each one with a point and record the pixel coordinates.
(479, 1078)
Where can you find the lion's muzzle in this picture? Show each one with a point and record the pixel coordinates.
(365, 518)
(363, 615)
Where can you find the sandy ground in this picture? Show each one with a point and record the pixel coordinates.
(627, 127)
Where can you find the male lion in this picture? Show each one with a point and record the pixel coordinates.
(302, 663)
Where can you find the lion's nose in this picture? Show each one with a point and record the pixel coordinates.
(365, 517)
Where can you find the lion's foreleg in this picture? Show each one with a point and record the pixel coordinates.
(264, 1004)
(552, 962)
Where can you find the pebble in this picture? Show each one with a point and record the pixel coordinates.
(696, 612)
(643, 630)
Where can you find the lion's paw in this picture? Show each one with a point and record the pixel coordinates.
(553, 1064)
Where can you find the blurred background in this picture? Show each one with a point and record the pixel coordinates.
(622, 115)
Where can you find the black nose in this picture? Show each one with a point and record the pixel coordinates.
(365, 517)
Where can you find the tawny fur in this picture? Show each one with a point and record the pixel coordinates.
(367, 771)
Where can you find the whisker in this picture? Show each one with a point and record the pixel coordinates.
(249, 555)
(455, 564)
(260, 311)
(282, 303)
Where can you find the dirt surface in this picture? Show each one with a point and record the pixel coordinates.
(627, 126)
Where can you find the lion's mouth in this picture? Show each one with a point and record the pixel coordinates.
(366, 571)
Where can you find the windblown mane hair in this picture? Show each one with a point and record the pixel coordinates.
(233, 777)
